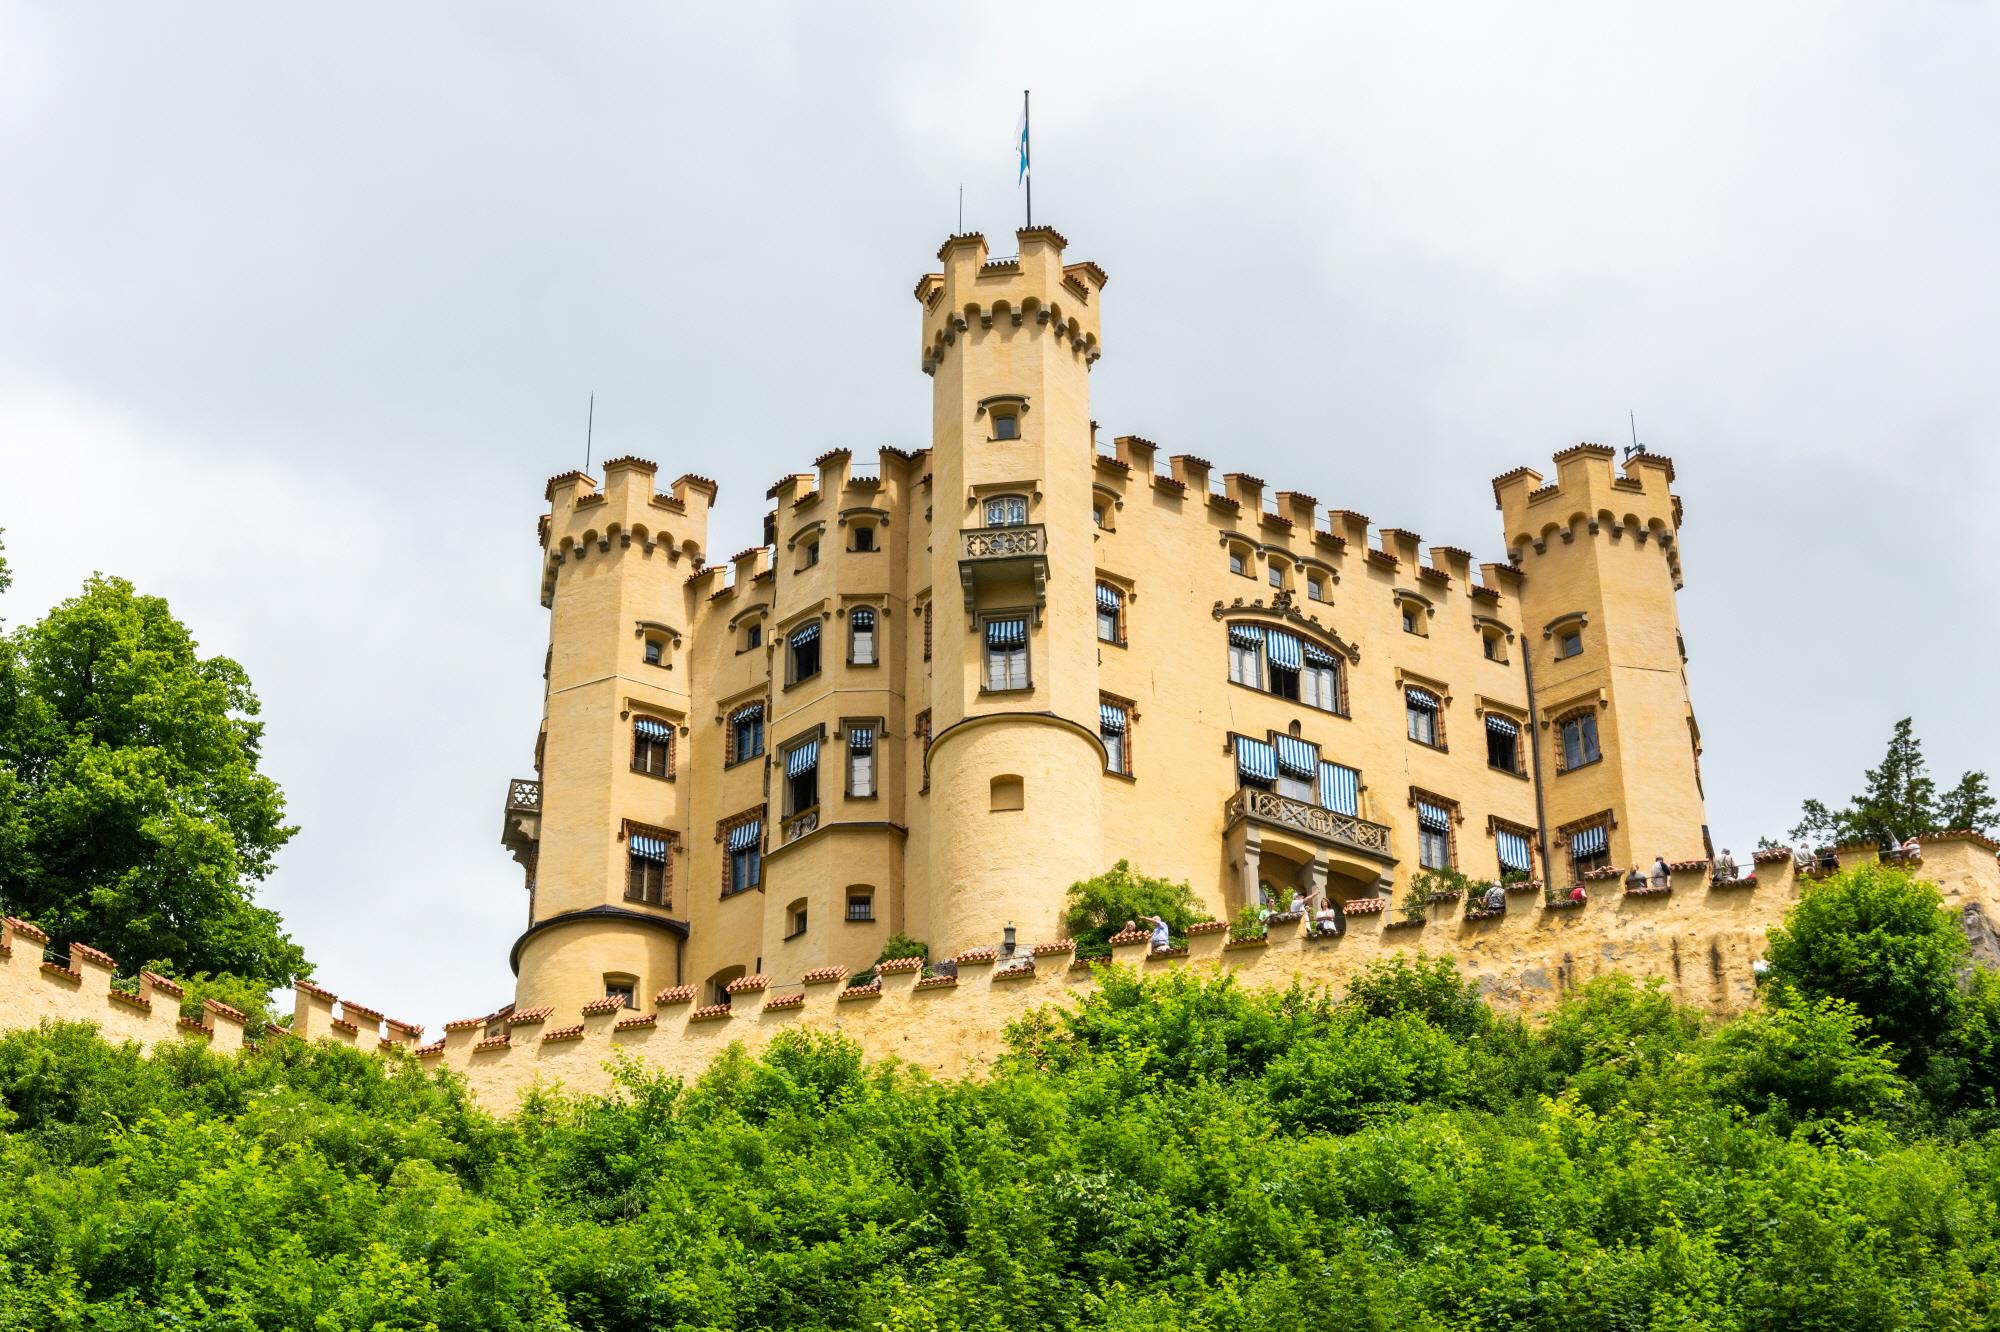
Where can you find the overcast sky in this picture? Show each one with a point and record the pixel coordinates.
(300, 306)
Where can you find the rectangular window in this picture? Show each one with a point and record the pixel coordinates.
(623, 991)
(1246, 655)
(1433, 835)
(1110, 609)
(746, 733)
(799, 920)
(804, 654)
(1298, 767)
(1340, 789)
(1423, 716)
(753, 637)
(861, 636)
(1256, 763)
(1277, 575)
(646, 867)
(811, 555)
(864, 537)
(1503, 743)
(652, 747)
(1319, 680)
(860, 760)
(745, 866)
(1516, 855)
(1114, 726)
(802, 777)
(1589, 849)
(1579, 741)
(1316, 587)
(860, 906)
(1569, 643)
(1007, 654)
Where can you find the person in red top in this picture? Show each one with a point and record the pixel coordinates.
(1577, 894)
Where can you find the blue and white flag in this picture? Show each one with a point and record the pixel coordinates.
(1021, 142)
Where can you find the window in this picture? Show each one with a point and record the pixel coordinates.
(1569, 643)
(744, 868)
(1007, 653)
(864, 537)
(1413, 620)
(802, 777)
(1579, 740)
(860, 760)
(1433, 835)
(804, 656)
(1008, 792)
(1246, 655)
(1006, 511)
(1503, 743)
(652, 747)
(1100, 514)
(925, 613)
(1006, 425)
(1276, 573)
(1319, 679)
(860, 904)
(920, 731)
(1494, 644)
(655, 650)
(861, 636)
(1315, 587)
(746, 733)
(646, 865)
(1239, 561)
(1114, 728)
(1589, 848)
(1297, 768)
(625, 989)
(1110, 613)
(795, 919)
(1515, 851)
(1426, 726)
(1340, 789)
(1282, 663)
(1256, 763)
(753, 635)
(810, 557)
(718, 985)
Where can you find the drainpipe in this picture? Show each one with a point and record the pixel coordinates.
(1535, 770)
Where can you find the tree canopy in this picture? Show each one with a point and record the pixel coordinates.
(1899, 798)
(133, 816)
(1100, 907)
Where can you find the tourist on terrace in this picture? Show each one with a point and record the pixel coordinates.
(1495, 899)
(1298, 906)
(1725, 868)
(1913, 849)
(1829, 859)
(1662, 877)
(1160, 941)
(1578, 894)
(1635, 880)
(1802, 857)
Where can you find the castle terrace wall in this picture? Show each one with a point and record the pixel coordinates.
(1700, 938)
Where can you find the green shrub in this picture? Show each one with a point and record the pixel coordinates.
(1099, 908)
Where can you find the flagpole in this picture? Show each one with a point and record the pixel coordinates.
(1027, 139)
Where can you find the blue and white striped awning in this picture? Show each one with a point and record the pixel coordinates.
(1296, 757)
(1108, 597)
(806, 756)
(1006, 634)
(1245, 635)
(744, 836)
(1111, 718)
(1256, 759)
(1590, 842)
(860, 739)
(1501, 725)
(647, 847)
(1340, 788)
(806, 633)
(1514, 851)
(861, 617)
(1421, 698)
(751, 713)
(1284, 648)
(1317, 656)
(1435, 818)
(648, 729)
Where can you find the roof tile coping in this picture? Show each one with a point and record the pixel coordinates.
(1484, 593)
(219, 1009)
(1019, 969)
(973, 956)
(189, 1024)
(1770, 855)
(1058, 946)
(784, 1001)
(608, 1004)
(1208, 927)
(499, 1042)
(92, 955)
(937, 982)
(635, 1021)
(27, 930)
(897, 965)
(465, 1024)
(317, 992)
(163, 985)
(709, 1012)
(1687, 864)
(58, 969)
(529, 1015)
(1130, 936)
(436, 1048)
(351, 1010)
(407, 1028)
(1365, 906)
(126, 997)
(344, 1025)
(674, 994)
(869, 991)
(821, 975)
(746, 984)
(574, 1033)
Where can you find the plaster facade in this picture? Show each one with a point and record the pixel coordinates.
(1023, 653)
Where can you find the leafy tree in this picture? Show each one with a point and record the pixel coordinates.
(1878, 938)
(1899, 798)
(1615, 1038)
(134, 816)
(1430, 988)
(1100, 907)
(1804, 1062)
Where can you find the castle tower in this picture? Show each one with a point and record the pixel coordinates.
(1615, 735)
(606, 847)
(1016, 765)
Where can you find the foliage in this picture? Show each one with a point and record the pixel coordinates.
(1880, 939)
(132, 813)
(1173, 1153)
(1248, 923)
(899, 945)
(1897, 799)
(1099, 908)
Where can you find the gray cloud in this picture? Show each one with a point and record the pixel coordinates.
(302, 306)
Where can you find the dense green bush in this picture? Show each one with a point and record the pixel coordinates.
(1099, 908)
(1173, 1154)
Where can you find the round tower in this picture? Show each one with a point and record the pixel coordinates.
(607, 842)
(1016, 766)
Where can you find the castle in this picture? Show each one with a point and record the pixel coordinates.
(952, 683)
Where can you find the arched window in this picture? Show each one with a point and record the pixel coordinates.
(1289, 665)
(861, 636)
(795, 919)
(1006, 510)
(803, 653)
(1578, 732)
(1110, 614)
(746, 734)
(718, 985)
(1426, 716)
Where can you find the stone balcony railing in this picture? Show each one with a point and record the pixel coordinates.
(799, 824)
(1001, 552)
(1324, 825)
(521, 819)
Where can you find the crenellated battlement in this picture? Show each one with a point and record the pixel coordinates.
(1591, 496)
(584, 522)
(1033, 290)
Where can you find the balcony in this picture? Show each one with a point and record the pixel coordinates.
(798, 825)
(521, 821)
(992, 554)
(1324, 826)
